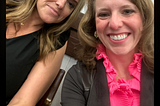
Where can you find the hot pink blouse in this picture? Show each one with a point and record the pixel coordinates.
(122, 92)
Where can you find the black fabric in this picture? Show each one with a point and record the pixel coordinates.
(99, 92)
(74, 92)
(21, 54)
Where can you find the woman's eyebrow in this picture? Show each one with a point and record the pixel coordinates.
(129, 6)
(75, 1)
(102, 9)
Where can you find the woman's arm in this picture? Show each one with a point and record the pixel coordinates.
(39, 80)
(73, 92)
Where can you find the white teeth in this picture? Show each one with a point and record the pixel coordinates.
(118, 37)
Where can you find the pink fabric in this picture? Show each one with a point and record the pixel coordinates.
(122, 92)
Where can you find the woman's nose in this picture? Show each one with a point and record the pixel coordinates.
(115, 22)
(60, 3)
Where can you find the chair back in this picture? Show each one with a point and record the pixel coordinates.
(47, 99)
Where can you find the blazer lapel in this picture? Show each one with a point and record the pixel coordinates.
(99, 92)
(147, 87)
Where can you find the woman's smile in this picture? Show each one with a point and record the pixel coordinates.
(55, 12)
(118, 37)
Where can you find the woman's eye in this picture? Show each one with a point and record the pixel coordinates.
(71, 5)
(128, 11)
(103, 15)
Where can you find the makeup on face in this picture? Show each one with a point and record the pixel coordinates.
(118, 24)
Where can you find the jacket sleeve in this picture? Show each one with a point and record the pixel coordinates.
(73, 92)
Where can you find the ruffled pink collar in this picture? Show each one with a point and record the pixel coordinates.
(134, 70)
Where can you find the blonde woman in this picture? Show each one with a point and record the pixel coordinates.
(116, 63)
(36, 38)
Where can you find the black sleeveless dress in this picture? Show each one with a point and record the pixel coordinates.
(21, 54)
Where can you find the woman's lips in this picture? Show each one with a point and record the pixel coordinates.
(118, 38)
(55, 12)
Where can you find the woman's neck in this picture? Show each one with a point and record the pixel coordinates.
(34, 20)
(121, 63)
(32, 24)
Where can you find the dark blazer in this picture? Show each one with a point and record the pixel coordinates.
(90, 88)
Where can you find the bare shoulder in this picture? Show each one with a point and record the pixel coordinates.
(39, 79)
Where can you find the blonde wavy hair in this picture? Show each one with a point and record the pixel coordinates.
(87, 27)
(22, 9)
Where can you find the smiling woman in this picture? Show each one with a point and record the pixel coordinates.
(116, 60)
(36, 38)
(115, 20)
(146, 31)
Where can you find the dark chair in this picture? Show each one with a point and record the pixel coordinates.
(46, 100)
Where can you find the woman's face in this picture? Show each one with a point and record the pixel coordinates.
(55, 11)
(118, 25)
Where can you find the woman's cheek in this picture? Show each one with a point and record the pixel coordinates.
(100, 26)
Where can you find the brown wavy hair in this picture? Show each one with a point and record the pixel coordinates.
(22, 9)
(87, 27)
